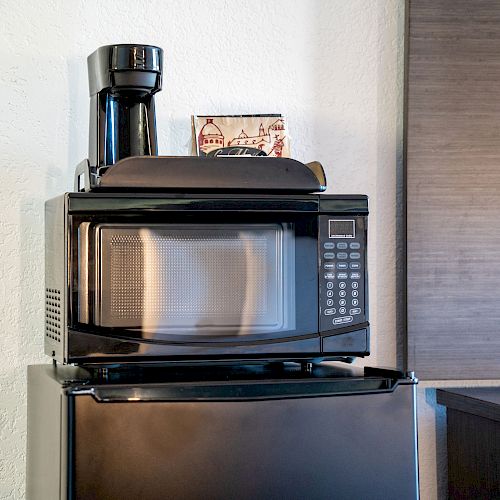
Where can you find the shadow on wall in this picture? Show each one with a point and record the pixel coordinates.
(390, 184)
(31, 319)
(77, 121)
(33, 138)
(440, 437)
(358, 74)
(401, 334)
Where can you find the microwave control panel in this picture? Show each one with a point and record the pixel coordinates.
(342, 276)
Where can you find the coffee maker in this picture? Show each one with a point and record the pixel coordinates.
(123, 80)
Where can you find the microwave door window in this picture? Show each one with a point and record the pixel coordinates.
(196, 280)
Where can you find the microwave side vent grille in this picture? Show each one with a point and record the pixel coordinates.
(53, 314)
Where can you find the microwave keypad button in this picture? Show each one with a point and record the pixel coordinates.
(342, 246)
(342, 255)
(342, 284)
(342, 293)
(329, 276)
(354, 265)
(354, 246)
(329, 265)
(329, 302)
(342, 310)
(342, 265)
(354, 255)
(354, 293)
(342, 302)
(329, 245)
(329, 255)
(355, 302)
(342, 276)
(354, 284)
(329, 312)
(356, 310)
(329, 285)
(344, 319)
(329, 293)
(355, 276)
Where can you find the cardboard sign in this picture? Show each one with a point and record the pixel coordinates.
(245, 135)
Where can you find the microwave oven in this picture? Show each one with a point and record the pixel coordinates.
(178, 277)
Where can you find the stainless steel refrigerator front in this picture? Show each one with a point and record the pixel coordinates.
(239, 433)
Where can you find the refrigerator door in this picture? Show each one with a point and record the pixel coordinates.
(254, 439)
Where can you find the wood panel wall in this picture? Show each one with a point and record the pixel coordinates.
(453, 188)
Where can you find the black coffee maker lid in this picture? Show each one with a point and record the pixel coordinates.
(106, 60)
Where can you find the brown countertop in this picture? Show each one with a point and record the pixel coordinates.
(480, 401)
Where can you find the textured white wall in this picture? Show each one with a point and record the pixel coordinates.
(333, 67)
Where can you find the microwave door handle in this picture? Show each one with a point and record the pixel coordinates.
(83, 272)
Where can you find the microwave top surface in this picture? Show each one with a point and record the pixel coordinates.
(117, 202)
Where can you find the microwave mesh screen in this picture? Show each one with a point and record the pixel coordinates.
(192, 278)
(186, 275)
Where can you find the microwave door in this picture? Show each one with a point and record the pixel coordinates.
(233, 280)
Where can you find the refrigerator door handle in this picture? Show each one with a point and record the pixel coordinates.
(238, 391)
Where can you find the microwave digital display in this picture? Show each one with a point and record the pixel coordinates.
(341, 228)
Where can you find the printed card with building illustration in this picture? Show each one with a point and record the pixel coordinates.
(249, 135)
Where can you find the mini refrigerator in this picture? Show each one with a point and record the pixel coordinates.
(242, 432)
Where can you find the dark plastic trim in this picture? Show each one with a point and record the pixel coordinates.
(193, 173)
(243, 392)
(159, 202)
